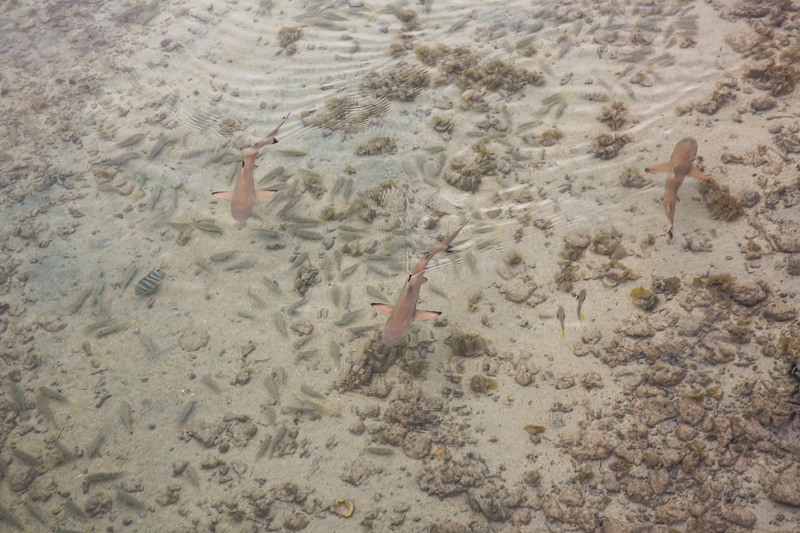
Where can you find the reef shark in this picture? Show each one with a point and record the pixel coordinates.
(404, 311)
(244, 192)
(678, 167)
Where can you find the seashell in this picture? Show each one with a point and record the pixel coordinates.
(343, 507)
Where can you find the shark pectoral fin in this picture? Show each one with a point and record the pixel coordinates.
(264, 194)
(693, 172)
(424, 280)
(658, 168)
(422, 315)
(223, 195)
(383, 309)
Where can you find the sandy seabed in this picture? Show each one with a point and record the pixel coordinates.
(250, 390)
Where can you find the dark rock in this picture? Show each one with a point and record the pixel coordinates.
(748, 294)
(204, 432)
(780, 312)
(296, 521)
(20, 478)
(665, 375)
(739, 516)
(358, 471)
(690, 411)
(98, 504)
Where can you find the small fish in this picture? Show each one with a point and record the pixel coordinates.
(678, 167)
(18, 396)
(307, 234)
(25, 456)
(244, 193)
(111, 328)
(335, 351)
(561, 315)
(207, 226)
(581, 299)
(349, 270)
(405, 309)
(50, 393)
(273, 285)
(36, 511)
(130, 500)
(241, 265)
(347, 318)
(281, 323)
(125, 415)
(102, 476)
(223, 256)
(75, 508)
(129, 275)
(185, 410)
(7, 515)
(148, 284)
(149, 343)
(272, 387)
(95, 442)
(262, 450)
(292, 308)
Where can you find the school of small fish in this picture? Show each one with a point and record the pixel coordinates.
(302, 315)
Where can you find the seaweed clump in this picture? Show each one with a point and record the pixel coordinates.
(306, 278)
(607, 145)
(347, 115)
(634, 179)
(719, 201)
(777, 78)
(368, 204)
(377, 146)
(481, 384)
(644, 298)
(461, 67)
(567, 276)
(467, 176)
(717, 283)
(609, 243)
(669, 286)
(614, 116)
(550, 137)
(287, 37)
(466, 344)
(401, 83)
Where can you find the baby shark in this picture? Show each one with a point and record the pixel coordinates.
(678, 167)
(404, 311)
(244, 193)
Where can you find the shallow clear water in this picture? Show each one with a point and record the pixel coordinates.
(118, 122)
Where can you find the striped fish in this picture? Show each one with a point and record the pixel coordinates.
(149, 283)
